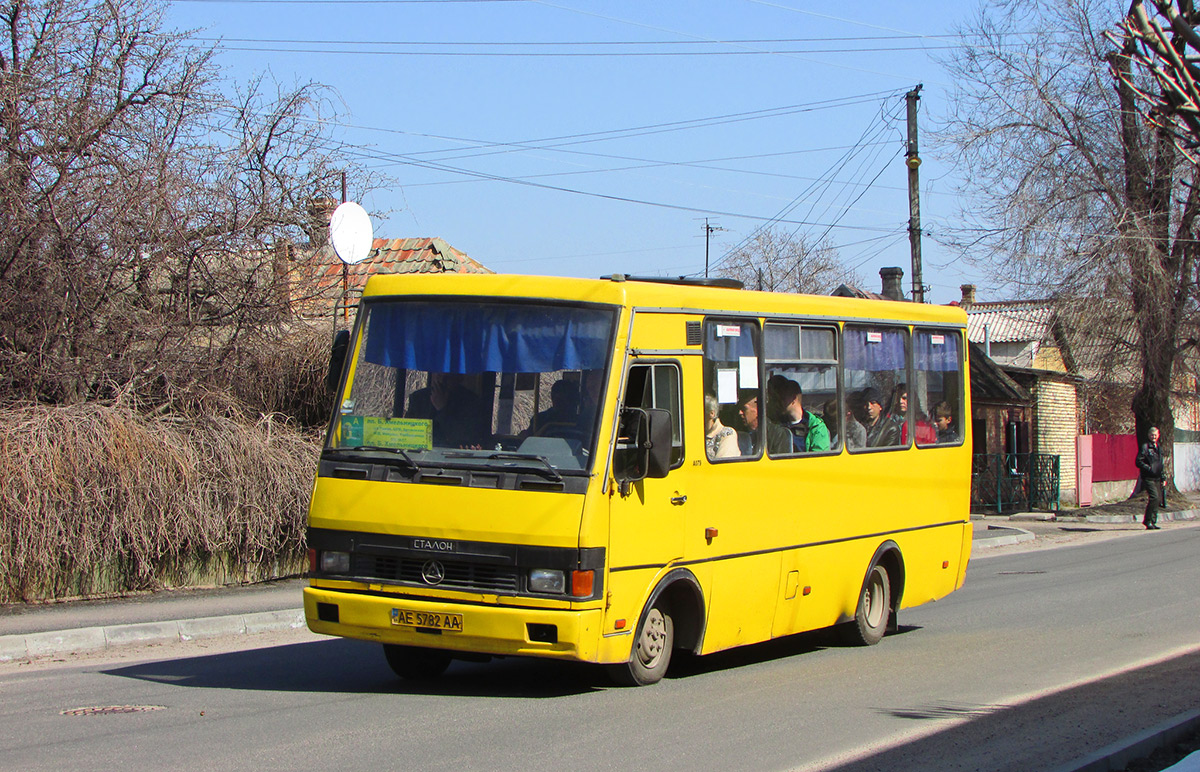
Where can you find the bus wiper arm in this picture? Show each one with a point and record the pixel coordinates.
(550, 472)
(408, 461)
(547, 469)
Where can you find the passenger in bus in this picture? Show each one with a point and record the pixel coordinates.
(856, 435)
(778, 439)
(809, 433)
(882, 430)
(926, 434)
(562, 417)
(720, 441)
(943, 417)
(856, 413)
(456, 412)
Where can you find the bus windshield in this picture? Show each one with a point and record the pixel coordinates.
(447, 383)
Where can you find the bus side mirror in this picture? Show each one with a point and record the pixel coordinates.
(658, 445)
(643, 445)
(337, 359)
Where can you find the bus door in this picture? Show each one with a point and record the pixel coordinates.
(733, 529)
(646, 518)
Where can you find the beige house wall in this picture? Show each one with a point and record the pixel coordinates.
(1057, 427)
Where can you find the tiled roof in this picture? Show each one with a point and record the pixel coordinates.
(405, 256)
(1011, 322)
(319, 281)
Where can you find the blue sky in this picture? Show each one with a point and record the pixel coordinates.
(580, 138)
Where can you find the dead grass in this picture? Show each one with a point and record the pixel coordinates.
(100, 500)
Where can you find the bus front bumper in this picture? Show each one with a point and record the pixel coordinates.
(498, 631)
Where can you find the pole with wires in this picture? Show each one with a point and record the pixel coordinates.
(913, 160)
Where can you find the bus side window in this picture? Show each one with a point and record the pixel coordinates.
(657, 386)
(802, 387)
(875, 375)
(734, 411)
(938, 385)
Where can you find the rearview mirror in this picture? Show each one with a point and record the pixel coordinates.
(337, 359)
(643, 445)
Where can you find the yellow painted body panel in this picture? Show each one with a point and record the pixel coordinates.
(495, 630)
(794, 537)
(447, 512)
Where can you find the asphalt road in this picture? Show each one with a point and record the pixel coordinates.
(1044, 655)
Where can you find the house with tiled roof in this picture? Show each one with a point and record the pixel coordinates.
(321, 283)
(1025, 339)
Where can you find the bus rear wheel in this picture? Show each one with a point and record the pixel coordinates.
(874, 608)
(415, 663)
(651, 651)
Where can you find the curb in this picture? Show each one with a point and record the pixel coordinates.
(32, 645)
(1117, 756)
(1015, 536)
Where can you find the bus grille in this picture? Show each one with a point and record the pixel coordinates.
(460, 574)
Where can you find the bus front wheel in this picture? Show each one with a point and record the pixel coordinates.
(871, 615)
(414, 663)
(651, 651)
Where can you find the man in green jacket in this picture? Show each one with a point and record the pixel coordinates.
(809, 432)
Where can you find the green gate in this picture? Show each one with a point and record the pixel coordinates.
(1003, 483)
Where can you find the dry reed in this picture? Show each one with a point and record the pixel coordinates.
(101, 499)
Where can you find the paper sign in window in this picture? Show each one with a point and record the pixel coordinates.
(727, 385)
(748, 372)
(729, 331)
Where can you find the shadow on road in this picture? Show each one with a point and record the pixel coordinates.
(356, 667)
(1043, 733)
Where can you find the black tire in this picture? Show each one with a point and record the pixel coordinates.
(874, 609)
(414, 663)
(651, 653)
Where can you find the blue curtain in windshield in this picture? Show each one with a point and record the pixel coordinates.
(467, 338)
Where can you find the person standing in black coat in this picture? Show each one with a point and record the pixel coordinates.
(1150, 464)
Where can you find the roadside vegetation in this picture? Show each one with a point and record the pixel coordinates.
(159, 398)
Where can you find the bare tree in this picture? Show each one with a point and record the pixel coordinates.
(776, 261)
(1073, 195)
(141, 205)
(1161, 37)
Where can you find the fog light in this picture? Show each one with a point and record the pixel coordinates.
(335, 562)
(547, 580)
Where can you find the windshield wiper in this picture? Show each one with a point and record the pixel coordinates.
(400, 452)
(547, 469)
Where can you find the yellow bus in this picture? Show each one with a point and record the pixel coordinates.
(611, 470)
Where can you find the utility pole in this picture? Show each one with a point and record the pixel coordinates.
(709, 230)
(913, 160)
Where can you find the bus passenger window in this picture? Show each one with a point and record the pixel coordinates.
(801, 364)
(732, 392)
(938, 384)
(875, 383)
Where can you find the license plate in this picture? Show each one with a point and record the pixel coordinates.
(449, 622)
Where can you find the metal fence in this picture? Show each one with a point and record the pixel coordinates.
(1003, 483)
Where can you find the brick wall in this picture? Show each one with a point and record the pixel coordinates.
(1057, 426)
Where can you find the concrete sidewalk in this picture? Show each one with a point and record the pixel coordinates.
(38, 630)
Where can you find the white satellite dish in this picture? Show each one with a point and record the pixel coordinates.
(350, 232)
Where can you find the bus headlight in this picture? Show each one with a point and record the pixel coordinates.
(335, 562)
(547, 580)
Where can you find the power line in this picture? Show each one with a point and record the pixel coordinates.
(574, 54)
